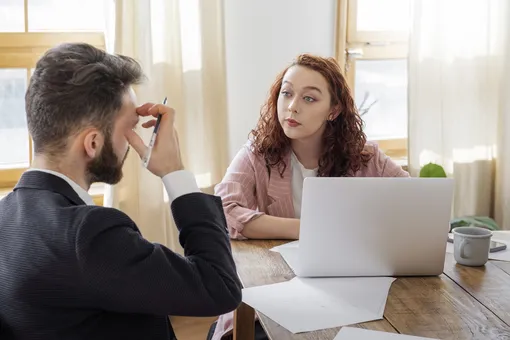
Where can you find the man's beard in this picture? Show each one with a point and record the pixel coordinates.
(106, 168)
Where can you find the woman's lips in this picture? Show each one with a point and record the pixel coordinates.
(292, 123)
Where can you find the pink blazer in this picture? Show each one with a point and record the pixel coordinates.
(247, 191)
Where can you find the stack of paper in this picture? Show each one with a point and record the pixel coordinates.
(308, 304)
(349, 333)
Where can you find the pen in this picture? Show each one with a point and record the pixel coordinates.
(153, 140)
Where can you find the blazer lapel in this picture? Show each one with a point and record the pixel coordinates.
(43, 181)
(280, 191)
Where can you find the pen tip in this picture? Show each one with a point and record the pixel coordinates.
(164, 101)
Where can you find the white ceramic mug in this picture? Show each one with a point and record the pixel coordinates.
(471, 245)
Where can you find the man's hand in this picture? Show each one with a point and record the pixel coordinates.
(166, 154)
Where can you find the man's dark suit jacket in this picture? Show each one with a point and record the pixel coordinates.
(72, 271)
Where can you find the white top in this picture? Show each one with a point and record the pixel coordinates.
(176, 183)
(299, 173)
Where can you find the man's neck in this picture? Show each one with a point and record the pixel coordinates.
(65, 168)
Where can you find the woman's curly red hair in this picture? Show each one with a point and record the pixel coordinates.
(343, 141)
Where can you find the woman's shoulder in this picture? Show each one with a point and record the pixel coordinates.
(372, 148)
(247, 151)
(248, 155)
(379, 164)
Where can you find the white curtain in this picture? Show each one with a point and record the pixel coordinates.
(458, 100)
(180, 47)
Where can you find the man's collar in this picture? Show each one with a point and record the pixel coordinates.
(47, 179)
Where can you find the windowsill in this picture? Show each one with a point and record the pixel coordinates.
(401, 161)
(96, 191)
(4, 192)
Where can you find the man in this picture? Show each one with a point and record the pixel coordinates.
(72, 270)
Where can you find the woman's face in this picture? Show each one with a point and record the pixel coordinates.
(304, 103)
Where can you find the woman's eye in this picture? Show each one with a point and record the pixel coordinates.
(285, 93)
(309, 99)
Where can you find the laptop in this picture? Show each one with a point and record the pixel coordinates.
(361, 226)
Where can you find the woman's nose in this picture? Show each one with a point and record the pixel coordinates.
(293, 105)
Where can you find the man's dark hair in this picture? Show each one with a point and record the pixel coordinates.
(76, 85)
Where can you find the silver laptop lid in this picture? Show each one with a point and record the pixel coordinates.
(374, 226)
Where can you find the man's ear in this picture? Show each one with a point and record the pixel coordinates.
(93, 142)
(335, 112)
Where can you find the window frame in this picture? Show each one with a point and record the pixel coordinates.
(353, 35)
(373, 46)
(22, 50)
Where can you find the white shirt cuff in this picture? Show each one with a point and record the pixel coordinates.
(179, 183)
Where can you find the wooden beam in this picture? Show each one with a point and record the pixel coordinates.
(22, 50)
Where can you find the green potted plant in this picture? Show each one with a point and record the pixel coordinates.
(432, 170)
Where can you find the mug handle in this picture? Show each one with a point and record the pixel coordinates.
(463, 245)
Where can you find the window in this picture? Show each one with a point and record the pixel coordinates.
(27, 29)
(372, 48)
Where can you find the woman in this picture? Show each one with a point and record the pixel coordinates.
(309, 126)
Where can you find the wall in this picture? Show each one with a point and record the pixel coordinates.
(261, 38)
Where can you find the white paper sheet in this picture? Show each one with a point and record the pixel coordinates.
(308, 304)
(290, 255)
(501, 235)
(293, 244)
(498, 236)
(350, 333)
(289, 252)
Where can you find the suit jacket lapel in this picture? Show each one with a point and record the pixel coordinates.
(43, 181)
(280, 191)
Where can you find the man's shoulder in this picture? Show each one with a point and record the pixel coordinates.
(98, 210)
(101, 224)
(93, 215)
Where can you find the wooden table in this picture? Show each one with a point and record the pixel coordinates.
(462, 303)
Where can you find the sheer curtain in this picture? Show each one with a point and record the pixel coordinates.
(458, 99)
(180, 47)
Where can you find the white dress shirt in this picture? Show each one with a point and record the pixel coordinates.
(176, 183)
(299, 172)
